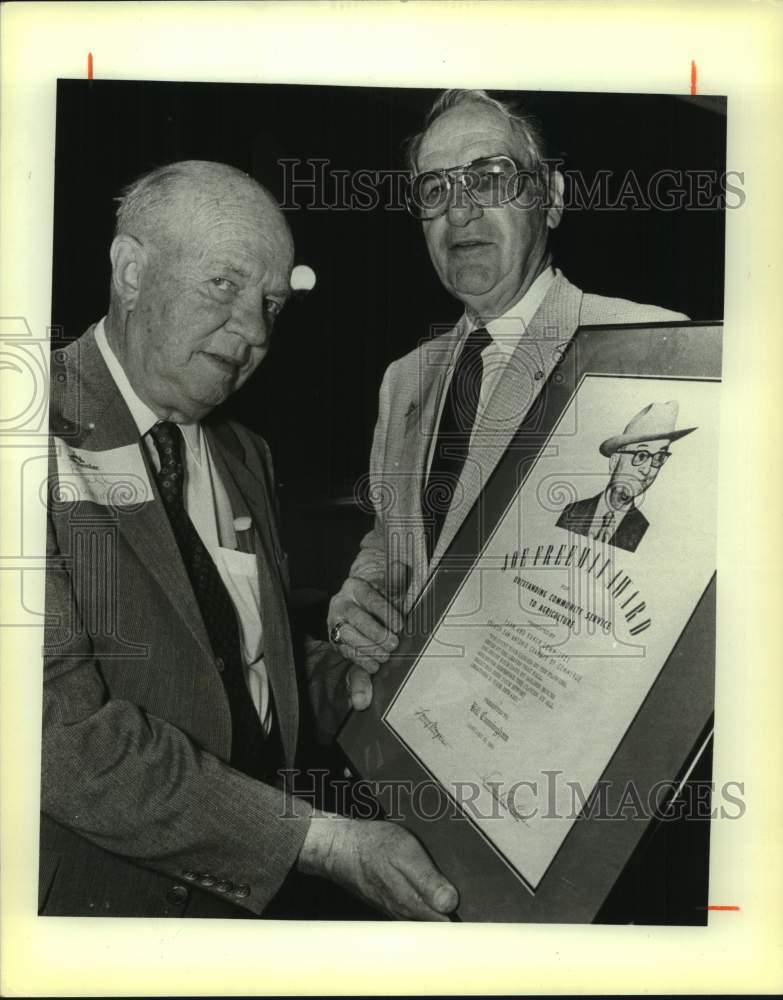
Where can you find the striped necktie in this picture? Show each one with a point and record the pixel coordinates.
(454, 433)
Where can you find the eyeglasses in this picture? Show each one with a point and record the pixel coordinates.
(487, 182)
(642, 456)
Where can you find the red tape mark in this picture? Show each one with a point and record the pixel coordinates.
(693, 78)
(722, 907)
(89, 65)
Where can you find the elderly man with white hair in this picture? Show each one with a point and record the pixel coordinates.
(171, 698)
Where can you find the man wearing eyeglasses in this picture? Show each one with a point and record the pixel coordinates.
(448, 410)
(635, 458)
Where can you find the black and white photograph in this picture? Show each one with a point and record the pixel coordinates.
(233, 545)
(222, 597)
(379, 457)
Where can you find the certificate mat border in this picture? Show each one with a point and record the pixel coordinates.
(688, 358)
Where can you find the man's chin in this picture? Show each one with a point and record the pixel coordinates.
(622, 496)
(476, 287)
(473, 280)
(195, 408)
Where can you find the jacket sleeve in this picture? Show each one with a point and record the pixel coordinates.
(137, 786)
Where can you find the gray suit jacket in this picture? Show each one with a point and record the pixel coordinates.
(407, 419)
(140, 812)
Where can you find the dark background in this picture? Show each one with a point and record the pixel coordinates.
(315, 397)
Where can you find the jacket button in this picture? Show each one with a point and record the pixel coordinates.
(177, 895)
(220, 664)
(207, 881)
(224, 886)
(190, 876)
(242, 891)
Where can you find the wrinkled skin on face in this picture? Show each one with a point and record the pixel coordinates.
(629, 481)
(201, 295)
(486, 257)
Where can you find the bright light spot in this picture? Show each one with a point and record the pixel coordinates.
(302, 278)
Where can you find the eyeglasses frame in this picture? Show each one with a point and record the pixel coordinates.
(451, 174)
(650, 456)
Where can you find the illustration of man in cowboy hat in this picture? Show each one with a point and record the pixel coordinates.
(635, 458)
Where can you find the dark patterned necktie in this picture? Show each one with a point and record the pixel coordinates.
(454, 432)
(250, 751)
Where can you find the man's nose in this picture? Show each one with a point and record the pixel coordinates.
(461, 207)
(249, 321)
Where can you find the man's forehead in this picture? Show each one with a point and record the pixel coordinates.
(654, 444)
(236, 229)
(463, 134)
(222, 204)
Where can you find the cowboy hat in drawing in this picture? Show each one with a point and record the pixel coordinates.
(654, 423)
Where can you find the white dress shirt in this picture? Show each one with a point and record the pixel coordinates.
(209, 508)
(505, 332)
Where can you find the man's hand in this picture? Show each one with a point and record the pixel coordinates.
(359, 685)
(369, 619)
(379, 862)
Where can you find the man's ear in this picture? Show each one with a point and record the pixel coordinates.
(613, 462)
(556, 191)
(128, 260)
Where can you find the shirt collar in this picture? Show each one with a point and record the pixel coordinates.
(507, 329)
(144, 418)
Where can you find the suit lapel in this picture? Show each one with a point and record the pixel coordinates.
(249, 495)
(89, 412)
(588, 512)
(92, 415)
(416, 416)
(514, 396)
(630, 530)
(149, 534)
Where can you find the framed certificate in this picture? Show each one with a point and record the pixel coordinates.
(555, 677)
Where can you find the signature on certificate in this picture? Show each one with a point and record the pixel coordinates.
(430, 725)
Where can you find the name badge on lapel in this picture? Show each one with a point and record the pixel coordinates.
(113, 478)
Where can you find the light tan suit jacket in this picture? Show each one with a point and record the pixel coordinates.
(409, 403)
